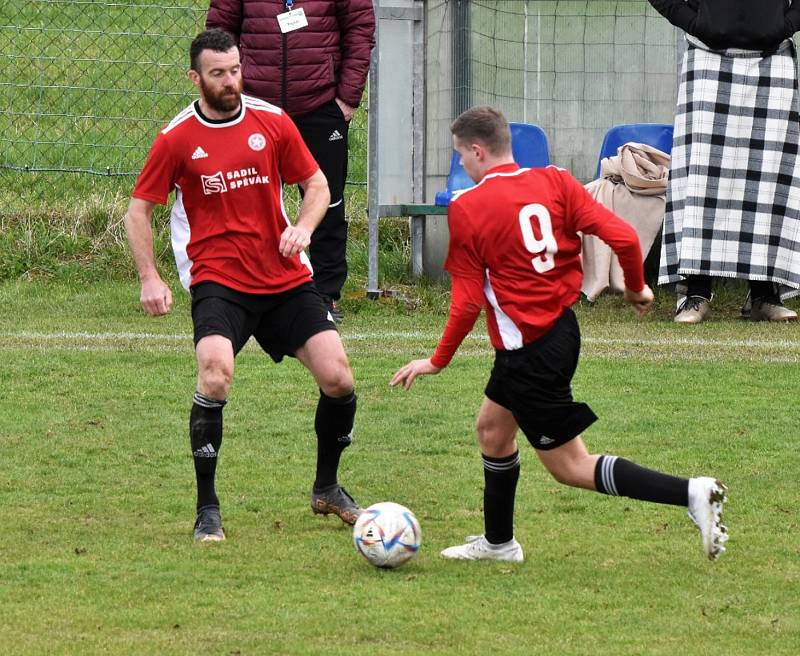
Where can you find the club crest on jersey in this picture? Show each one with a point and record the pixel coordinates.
(256, 141)
(214, 184)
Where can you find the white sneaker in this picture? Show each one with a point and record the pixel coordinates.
(706, 497)
(477, 548)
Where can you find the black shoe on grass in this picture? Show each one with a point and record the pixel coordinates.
(208, 525)
(336, 500)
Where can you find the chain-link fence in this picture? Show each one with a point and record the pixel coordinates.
(89, 84)
(86, 85)
(573, 67)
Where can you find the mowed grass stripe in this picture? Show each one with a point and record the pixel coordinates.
(672, 347)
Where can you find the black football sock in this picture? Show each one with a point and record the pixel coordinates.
(619, 477)
(697, 285)
(762, 289)
(205, 434)
(500, 477)
(334, 427)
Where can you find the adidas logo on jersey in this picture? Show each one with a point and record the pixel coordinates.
(335, 136)
(199, 153)
(544, 440)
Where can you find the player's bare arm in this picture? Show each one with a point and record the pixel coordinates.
(156, 296)
(641, 301)
(405, 375)
(316, 199)
(465, 306)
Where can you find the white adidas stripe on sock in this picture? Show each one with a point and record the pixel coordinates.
(607, 475)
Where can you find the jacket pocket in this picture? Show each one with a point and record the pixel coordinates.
(331, 69)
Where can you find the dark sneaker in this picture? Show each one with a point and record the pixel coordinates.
(337, 316)
(771, 308)
(208, 526)
(747, 306)
(336, 500)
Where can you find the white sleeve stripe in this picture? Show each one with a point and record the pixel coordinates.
(180, 118)
(256, 103)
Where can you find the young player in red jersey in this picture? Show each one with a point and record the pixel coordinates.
(242, 260)
(515, 249)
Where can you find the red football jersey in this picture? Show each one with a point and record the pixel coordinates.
(515, 248)
(228, 215)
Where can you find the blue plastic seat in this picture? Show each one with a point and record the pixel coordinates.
(528, 145)
(658, 135)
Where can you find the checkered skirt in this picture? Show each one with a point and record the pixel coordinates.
(733, 200)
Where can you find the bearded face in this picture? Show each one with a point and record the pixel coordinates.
(222, 95)
(218, 77)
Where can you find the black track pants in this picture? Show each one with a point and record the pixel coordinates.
(325, 132)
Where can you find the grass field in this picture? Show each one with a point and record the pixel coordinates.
(97, 489)
(97, 493)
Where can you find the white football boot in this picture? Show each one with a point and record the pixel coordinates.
(706, 498)
(477, 548)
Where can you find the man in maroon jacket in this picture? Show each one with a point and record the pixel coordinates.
(311, 58)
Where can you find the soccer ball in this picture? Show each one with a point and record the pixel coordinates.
(387, 534)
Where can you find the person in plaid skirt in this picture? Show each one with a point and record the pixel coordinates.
(733, 201)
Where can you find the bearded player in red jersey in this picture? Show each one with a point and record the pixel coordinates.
(515, 248)
(227, 156)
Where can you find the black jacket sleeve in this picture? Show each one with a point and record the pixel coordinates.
(792, 19)
(677, 12)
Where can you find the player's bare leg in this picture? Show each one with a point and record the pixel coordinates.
(324, 356)
(571, 464)
(496, 430)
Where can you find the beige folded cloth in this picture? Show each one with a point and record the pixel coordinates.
(633, 185)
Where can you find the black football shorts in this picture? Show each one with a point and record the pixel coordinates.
(280, 323)
(535, 384)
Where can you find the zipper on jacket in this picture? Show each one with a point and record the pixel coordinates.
(284, 73)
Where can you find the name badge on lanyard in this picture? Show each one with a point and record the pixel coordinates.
(292, 19)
